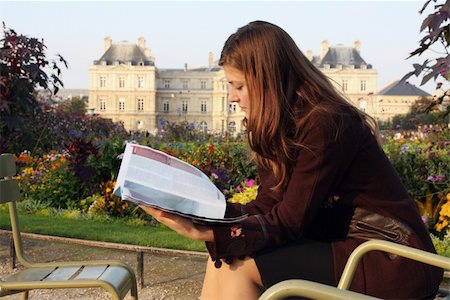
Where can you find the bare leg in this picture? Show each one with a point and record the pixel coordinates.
(240, 280)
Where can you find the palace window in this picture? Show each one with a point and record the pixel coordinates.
(232, 127)
(121, 82)
(344, 85)
(167, 84)
(166, 106)
(185, 84)
(140, 104)
(121, 104)
(363, 85)
(232, 108)
(102, 104)
(203, 106)
(203, 126)
(102, 81)
(140, 82)
(203, 84)
(184, 106)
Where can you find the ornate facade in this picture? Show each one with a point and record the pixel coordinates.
(349, 72)
(125, 85)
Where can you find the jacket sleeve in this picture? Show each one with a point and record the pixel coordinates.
(277, 218)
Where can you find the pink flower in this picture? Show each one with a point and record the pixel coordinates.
(249, 183)
(239, 189)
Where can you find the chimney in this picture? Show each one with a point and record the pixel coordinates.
(357, 45)
(323, 48)
(210, 59)
(309, 55)
(107, 42)
(185, 67)
(141, 42)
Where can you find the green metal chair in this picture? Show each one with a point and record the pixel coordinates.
(115, 277)
(313, 290)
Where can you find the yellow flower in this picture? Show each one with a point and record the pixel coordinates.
(445, 210)
(247, 195)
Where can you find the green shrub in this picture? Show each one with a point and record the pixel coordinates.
(442, 245)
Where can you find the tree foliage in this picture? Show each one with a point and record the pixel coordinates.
(24, 67)
(437, 32)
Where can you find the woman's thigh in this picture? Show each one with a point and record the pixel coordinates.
(238, 280)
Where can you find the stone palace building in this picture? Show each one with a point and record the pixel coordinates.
(125, 85)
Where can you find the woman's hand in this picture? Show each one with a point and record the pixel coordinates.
(181, 225)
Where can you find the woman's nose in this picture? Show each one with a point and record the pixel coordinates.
(232, 97)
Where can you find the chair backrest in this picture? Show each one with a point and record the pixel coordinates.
(10, 193)
(9, 188)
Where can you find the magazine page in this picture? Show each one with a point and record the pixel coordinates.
(151, 177)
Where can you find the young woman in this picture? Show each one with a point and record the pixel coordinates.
(326, 185)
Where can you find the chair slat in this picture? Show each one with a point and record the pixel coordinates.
(7, 165)
(63, 273)
(91, 272)
(9, 190)
(32, 274)
(115, 275)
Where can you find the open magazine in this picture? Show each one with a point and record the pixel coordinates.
(153, 178)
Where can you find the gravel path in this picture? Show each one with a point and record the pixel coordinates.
(167, 276)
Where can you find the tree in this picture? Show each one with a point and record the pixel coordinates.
(23, 68)
(75, 105)
(437, 33)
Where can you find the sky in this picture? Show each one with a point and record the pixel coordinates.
(179, 32)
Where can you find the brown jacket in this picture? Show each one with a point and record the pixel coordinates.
(330, 179)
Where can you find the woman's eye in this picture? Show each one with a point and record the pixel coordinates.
(239, 88)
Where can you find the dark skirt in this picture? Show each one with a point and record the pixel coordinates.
(303, 259)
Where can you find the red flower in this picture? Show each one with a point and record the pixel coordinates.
(236, 231)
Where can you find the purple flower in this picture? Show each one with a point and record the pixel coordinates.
(425, 219)
(404, 148)
(436, 178)
(215, 175)
(439, 177)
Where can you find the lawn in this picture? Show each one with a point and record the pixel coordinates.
(116, 231)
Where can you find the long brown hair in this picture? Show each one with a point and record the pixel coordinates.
(284, 89)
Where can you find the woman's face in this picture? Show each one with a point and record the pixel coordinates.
(237, 89)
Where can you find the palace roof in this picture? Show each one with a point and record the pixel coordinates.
(344, 56)
(125, 53)
(398, 88)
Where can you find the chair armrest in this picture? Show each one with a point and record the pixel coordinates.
(390, 247)
(310, 289)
